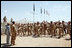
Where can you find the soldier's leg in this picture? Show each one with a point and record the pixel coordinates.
(34, 32)
(12, 40)
(28, 32)
(43, 31)
(38, 33)
(18, 32)
(69, 32)
(59, 34)
(7, 40)
(49, 31)
(52, 32)
(55, 32)
(22, 33)
(65, 31)
(62, 32)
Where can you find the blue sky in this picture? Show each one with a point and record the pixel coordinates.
(18, 10)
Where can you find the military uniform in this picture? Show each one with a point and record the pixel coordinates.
(13, 34)
(55, 27)
(45, 29)
(29, 29)
(60, 30)
(48, 29)
(69, 29)
(52, 30)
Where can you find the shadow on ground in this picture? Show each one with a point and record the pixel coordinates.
(5, 45)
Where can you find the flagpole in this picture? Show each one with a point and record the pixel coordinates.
(44, 17)
(33, 17)
(44, 14)
(33, 12)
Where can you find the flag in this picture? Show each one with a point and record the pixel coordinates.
(33, 7)
(41, 10)
(44, 11)
(47, 13)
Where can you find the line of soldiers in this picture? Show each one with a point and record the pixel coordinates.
(44, 28)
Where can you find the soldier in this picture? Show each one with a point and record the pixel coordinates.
(60, 30)
(24, 32)
(29, 29)
(13, 33)
(48, 28)
(64, 27)
(25, 28)
(51, 29)
(19, 29)
(69, 28)
(38, 29)
(55, 27)
(45, 28)
(35, 29)
(41, 29)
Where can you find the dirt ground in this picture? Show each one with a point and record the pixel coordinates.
(43, 41)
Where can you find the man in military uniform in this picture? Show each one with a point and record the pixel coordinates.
(41, 27)
(48, 28)
(13, 33)
(24, 31)
(64, 27)
(69, 28)
(29, 29)
(55, 27)
(38, 29)
(60, 30)
(35, 30)
(51, 29)
(45, 28)
(19, 29)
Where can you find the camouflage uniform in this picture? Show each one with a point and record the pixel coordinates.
(48, 28)
(29, 29)
(45, 29)
(69, 29)
(64, 27)
(13, 36)
(52, 29)
(60, 30)
(55, 27)
(38, 29)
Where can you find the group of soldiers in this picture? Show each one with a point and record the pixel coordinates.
(44, 28)
(37, 29)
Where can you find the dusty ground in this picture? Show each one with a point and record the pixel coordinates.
(38, 42)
